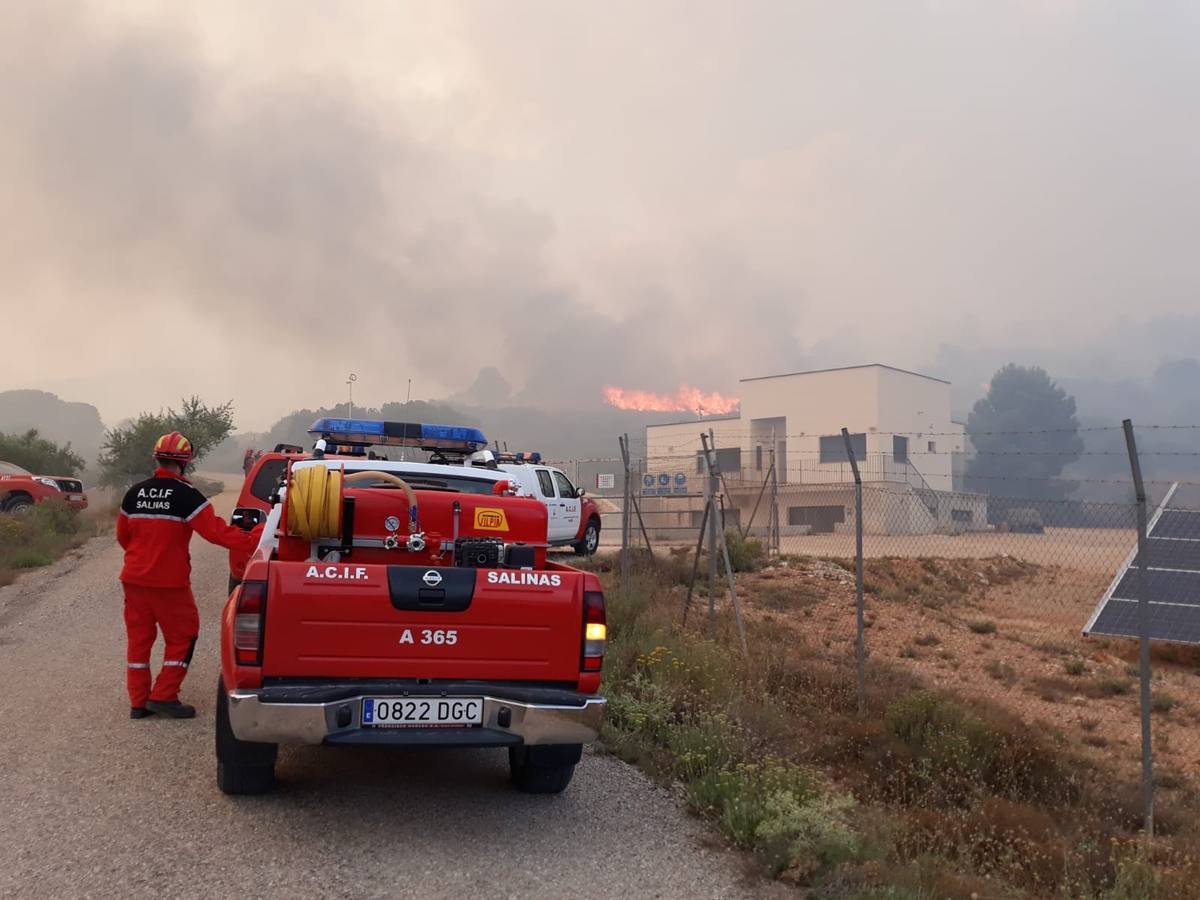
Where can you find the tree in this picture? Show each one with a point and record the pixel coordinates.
(1024, 433)
(128, 449)
(38, 455)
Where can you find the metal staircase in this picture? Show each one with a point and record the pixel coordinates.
(926, 494)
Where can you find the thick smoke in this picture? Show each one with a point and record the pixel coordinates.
(634, 194)
(296, 217)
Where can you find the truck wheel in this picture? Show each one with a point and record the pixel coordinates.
(543, 769)
(243, 767)
(19, 504)
(234, 581)
(590, 541)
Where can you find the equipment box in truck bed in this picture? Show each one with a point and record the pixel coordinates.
(376, 613)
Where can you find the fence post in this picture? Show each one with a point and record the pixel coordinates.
(774, 527)
(859, 641)
(1141, 580)
(627, 523)
(711, 491)
(626, 504)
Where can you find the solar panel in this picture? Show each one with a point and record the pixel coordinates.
(1171, 580)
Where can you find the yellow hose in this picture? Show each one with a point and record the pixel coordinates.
(315, 499)
(399, 482)
(315, 503)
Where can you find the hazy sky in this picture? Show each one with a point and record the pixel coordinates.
(249, 201)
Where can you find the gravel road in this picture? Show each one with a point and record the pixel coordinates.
(93, 804)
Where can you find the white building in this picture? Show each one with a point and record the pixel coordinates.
(900, 429)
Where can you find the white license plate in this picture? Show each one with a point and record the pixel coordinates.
(75, 498)
(422, 712)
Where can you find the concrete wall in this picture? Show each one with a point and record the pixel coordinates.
(919, 407)
(810, 405)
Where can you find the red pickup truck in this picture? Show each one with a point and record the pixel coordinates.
(19, 490)
(381, 612)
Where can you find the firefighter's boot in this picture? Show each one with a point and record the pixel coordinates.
(172, 708)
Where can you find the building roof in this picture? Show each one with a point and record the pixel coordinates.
(699, 421)
(845, 369)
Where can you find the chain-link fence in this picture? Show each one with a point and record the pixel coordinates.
(1022, 591)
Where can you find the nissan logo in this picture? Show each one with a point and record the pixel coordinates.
(432, 578)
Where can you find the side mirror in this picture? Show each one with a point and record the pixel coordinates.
(246, 519)
(579, 492)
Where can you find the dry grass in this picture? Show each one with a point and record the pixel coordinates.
(953, 797)
(42, 535)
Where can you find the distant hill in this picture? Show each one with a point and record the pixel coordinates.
(57, 420)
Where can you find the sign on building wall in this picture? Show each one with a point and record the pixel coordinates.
(664, 483)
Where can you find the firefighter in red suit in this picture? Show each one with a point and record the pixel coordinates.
(154, 527)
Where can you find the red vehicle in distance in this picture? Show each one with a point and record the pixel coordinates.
(20, 490)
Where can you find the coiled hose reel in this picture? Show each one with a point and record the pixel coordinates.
(314, 503)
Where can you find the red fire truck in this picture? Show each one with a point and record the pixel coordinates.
(387, 605)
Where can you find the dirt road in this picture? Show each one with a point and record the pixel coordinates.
(93, 804)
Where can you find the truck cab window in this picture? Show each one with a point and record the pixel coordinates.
(565, 488)
(545, 482)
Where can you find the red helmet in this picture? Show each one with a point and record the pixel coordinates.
(173, 446)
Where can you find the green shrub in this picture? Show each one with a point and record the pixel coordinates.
(1136, 880)
(38, 455)
(957, 755)
(126, 454)
(1073, 666)
(1113, 687)
(1162, 703)
(982, 627)
(745, 554)
(778, 810)
(41, 535)
(1001, 671)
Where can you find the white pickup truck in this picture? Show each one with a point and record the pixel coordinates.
(574, 517)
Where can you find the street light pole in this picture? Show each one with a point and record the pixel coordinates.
(350, 381)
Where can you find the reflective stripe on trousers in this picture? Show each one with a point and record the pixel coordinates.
(146, 611)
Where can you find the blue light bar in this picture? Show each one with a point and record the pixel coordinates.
(367, 432)
(525, 456)
(457, 434)
(348, 426)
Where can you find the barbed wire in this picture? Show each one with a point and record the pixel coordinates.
(1083, 429)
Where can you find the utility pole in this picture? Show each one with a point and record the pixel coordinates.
(350, 382)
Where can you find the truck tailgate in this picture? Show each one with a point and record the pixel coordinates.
(378, 621)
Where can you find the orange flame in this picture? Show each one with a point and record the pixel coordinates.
(686, 399)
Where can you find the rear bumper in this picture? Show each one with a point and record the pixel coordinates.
(333, 714)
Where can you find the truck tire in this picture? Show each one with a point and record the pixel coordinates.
(243, 767)
(234, 581)
(543, 769)
(590, 541)
(19, 504)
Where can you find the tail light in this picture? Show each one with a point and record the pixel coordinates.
(248, 623)
(595, 631)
